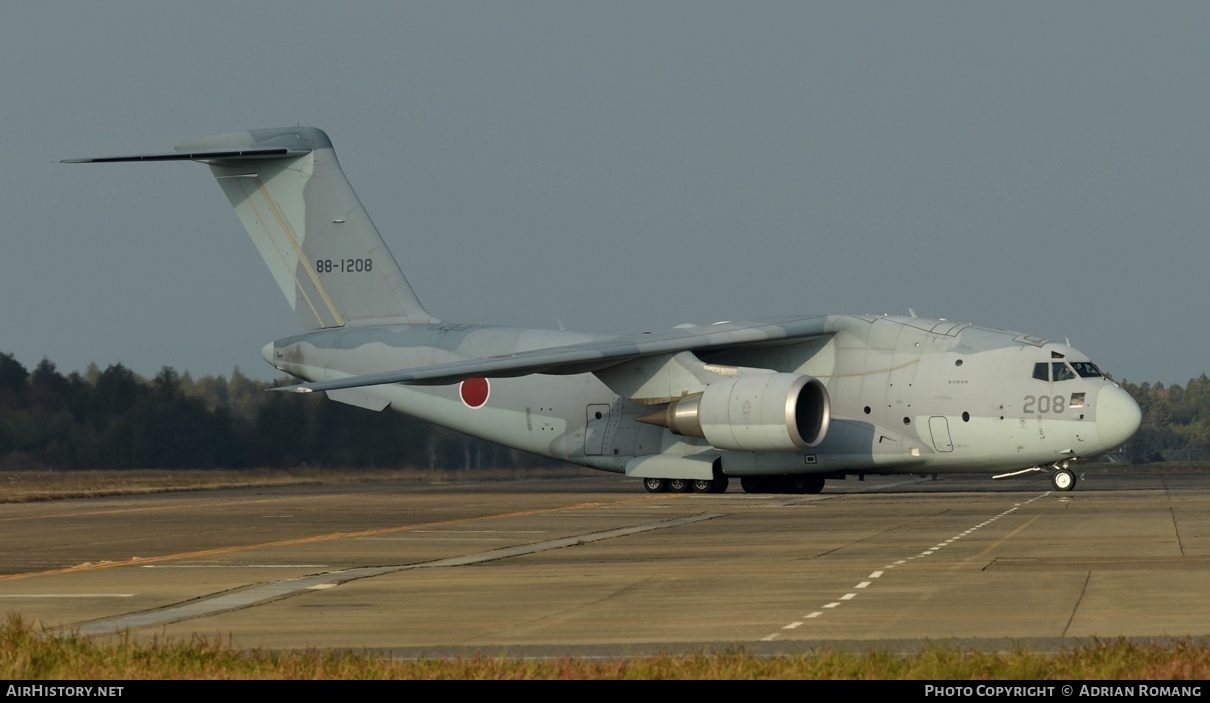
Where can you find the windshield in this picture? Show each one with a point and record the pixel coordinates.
(1061, 371)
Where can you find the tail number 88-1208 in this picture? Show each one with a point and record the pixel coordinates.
(344, 265)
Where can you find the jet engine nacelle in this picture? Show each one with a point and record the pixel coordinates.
(753, 413)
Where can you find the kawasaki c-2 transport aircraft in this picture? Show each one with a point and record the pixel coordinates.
(780, 403)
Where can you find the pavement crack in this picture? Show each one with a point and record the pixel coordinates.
(1079, 600)
(1176, 529)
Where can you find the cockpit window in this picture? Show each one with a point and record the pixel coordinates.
(1060, 371)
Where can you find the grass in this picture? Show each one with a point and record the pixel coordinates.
(27, 653)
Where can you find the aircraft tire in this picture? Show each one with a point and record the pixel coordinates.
(679, 485)
(751, 484)
(795, 484)
(720, 485)
(815, 485)
(655, 485)
(703, 485)
(1063, 480)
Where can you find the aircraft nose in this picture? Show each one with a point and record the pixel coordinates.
(1118, 417)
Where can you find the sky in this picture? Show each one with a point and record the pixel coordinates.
(622, 166)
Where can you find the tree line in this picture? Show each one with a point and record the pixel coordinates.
(1176, 422)
(115, 419)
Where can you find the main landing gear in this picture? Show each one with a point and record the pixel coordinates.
(684, 485)
(750, 484)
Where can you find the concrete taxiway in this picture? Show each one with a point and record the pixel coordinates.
(595, 565)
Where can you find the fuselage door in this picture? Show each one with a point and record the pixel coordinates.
(940, 427)
(594, 430)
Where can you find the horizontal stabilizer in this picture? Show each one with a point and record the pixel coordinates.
(202, 156)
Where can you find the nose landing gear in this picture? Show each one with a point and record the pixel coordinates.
(1063, 479)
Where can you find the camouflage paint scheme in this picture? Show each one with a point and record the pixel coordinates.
(781, 403)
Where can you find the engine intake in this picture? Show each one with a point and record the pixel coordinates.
(752, 413)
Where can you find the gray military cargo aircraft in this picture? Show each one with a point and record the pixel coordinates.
(781, 403)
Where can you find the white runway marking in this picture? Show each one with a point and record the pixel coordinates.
(879, 573)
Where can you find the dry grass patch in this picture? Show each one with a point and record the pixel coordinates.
(27, 653)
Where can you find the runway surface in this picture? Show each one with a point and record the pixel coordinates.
(595, 566)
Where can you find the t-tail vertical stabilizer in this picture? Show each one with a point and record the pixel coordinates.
(314, 234)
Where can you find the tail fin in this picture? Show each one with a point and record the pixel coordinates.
(320, 245)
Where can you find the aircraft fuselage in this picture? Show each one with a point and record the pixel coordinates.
(907, 394)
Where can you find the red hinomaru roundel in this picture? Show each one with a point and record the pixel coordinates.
(474, 391)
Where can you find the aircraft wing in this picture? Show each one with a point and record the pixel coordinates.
(591, 356)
